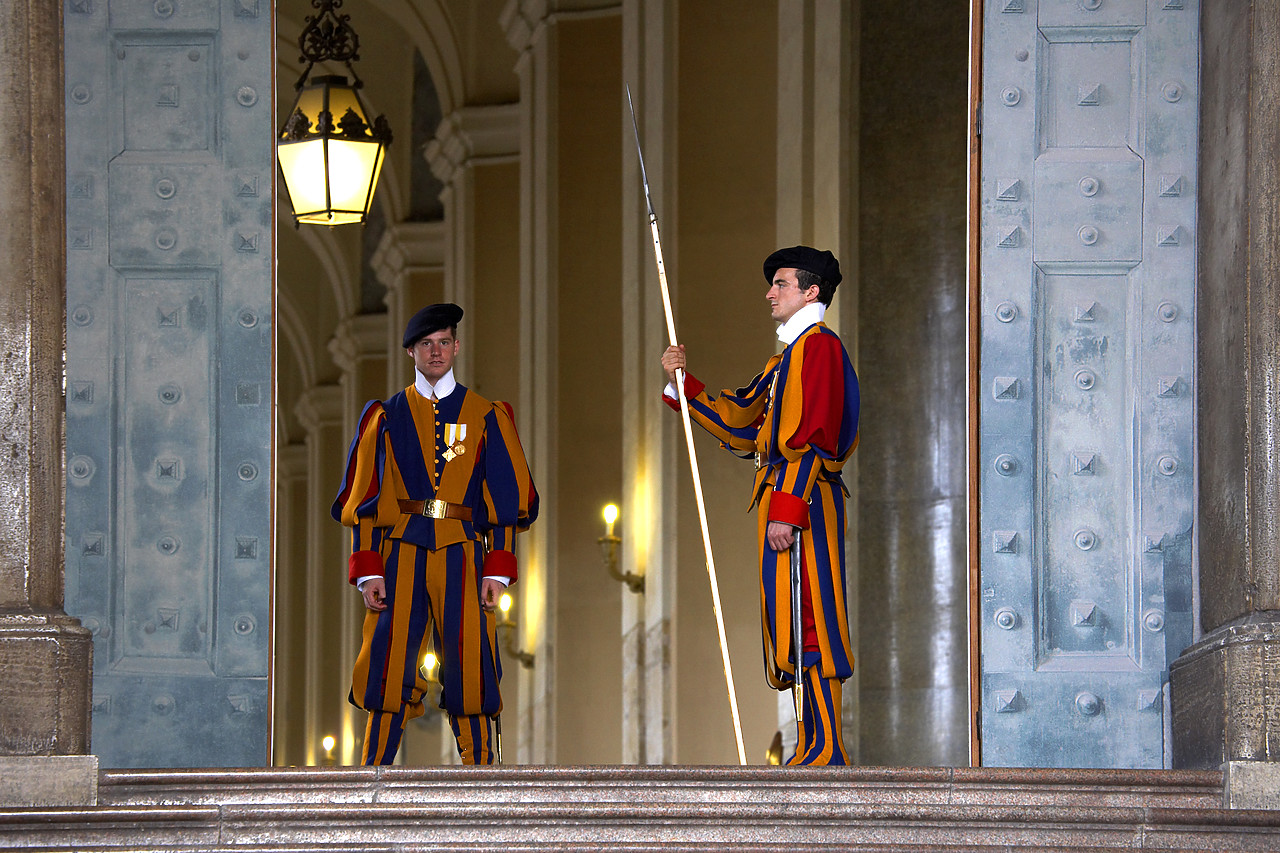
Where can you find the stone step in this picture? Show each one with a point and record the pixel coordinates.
(645, 808)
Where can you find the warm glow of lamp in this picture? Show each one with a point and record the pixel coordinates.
(429, 662)
(507, 626)
(330, 151)
(328, 743)
(609, 544)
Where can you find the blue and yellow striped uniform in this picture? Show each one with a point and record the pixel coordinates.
(463, 450)
(798, 419)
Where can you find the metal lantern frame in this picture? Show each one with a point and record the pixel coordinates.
(330, 165)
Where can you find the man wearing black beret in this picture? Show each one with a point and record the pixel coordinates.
(798, 421)
(436, 487)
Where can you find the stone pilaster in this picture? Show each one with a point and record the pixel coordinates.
(476, 154)
(409, 261)
(536, 734)
(649, 470)
(328, 599)
(569, 347)
(1225, 690)
(45, 655)
(359, 348)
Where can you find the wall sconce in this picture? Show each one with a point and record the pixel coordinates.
(508, 625)
(328, 744)
(330, 153)
(609, 548)
(430, 672)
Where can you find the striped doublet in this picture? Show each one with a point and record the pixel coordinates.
(798, 420)
(424, 482)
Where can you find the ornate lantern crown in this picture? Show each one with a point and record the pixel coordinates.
(330, 167)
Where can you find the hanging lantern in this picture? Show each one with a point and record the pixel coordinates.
(330, 152)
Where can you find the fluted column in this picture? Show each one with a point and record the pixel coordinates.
(45, 655)
(328, 597)
(1223, 689)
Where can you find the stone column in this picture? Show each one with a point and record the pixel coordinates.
(571, 357)
(359, 349)
(1225, 689)
(409, 261)
(328, 598)
(45, 655)
(911, 358)
(476, 155)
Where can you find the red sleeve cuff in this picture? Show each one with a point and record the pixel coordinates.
(692, 388)
(363, 564)
(500, 564)
(789, 509)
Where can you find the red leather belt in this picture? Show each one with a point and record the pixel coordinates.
(436, 509)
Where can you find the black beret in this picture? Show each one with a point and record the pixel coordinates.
(821, 263)
(433, 318)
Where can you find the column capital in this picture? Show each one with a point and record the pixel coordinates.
(469, 134)
(521, 20)
(408, 247)
(319, 406)
(357, 337)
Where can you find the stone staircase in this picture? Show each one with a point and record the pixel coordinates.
(517, 809)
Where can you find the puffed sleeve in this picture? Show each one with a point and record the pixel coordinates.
(509, 496)
(362, 503)
(733, 417)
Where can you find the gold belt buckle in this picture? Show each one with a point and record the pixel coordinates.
(434, 508)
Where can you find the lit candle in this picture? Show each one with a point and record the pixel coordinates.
(610, 516)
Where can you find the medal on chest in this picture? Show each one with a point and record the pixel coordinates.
(454, 435)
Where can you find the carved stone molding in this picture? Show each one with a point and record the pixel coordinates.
(407, 247)
(356, 337)
(522, 19)
(474, 133)
(319, 407)
(1223, 691)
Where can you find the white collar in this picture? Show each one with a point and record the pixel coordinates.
(801, 320)
(441, 389)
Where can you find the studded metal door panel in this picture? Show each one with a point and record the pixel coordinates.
(170, 170)
(1089, 125)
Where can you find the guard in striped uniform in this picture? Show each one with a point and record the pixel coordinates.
(798, 420)
(436, 487)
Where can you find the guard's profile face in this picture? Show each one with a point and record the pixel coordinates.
(434, 354)
(785, 296)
